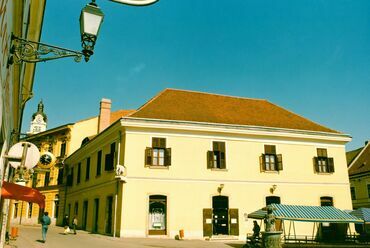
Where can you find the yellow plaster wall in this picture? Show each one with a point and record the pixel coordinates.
(189, 185)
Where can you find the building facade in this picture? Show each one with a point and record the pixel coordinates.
(58, 142)
(200, 162)
(23, 19)
(359, 176)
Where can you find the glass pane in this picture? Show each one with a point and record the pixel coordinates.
(161, 161)
(91, 23)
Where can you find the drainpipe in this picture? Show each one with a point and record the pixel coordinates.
(117, 185)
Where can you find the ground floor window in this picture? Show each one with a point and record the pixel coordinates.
(157, 214)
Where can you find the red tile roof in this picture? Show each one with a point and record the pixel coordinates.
(182, 105)
(114, 116)
(361, 163)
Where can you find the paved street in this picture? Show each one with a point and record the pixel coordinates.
(30, 236)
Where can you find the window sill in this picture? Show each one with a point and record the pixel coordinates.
(324, 173)
(163, 167)
(271, 171)
(218, 169)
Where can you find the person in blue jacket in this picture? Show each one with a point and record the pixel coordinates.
(45, 222)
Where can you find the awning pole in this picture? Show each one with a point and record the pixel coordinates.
(295, 235)
(284, 230)
(290, 226)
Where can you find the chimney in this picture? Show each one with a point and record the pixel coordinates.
(104, 114)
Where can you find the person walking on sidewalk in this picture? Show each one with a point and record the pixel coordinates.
(74, 224)
(66, 224)
(45, 222)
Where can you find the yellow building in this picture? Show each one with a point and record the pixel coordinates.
(359, 176)
(59, 142)
(23, 19)
(199, 162)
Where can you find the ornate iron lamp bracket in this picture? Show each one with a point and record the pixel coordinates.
(32, 52)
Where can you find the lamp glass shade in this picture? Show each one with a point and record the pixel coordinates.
(90, 20)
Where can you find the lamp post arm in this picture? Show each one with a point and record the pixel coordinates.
(33, 52)
(136, 2)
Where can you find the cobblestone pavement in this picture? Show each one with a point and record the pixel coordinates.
(30, 236)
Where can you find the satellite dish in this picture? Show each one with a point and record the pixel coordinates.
(17, 151)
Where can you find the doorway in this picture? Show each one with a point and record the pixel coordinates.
(157, 215)
(96, 215)
(220, 205)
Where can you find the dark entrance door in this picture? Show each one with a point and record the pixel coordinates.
(220, 205)
(96, 215)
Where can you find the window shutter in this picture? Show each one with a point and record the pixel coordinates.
(207, 222)
(222, 160)
(148, 156)
(270, 149)
(209, 159)
(234, 221)
(167, 158)
(331, 164)
(162, 143)
(279, 162)
(262, 162)
(222, 147)
(158, 142)
(216, 146)
(316, 164)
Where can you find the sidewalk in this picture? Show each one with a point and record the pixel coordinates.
(30, 236)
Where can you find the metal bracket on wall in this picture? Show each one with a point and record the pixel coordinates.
(32, 52)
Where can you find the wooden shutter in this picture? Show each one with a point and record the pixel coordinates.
(148, 156)
(207, 222)
(162, 143)
(278, 225)
(316, 164)
(330, 164)
(222, 160)
(270, 149)
(210, 155)
(279, 158)
(262, 162)
(158, 142)
(234, 221)
(322, 152)
(167, 156)
(216, 146)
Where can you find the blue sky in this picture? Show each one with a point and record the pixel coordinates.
(309, 56)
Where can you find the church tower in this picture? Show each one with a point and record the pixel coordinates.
(39, 120)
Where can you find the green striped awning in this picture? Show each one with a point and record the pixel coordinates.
(307, 214)
(362, 213)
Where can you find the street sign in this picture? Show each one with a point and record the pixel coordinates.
(25, 151)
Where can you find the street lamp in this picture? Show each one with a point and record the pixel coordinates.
(91, 19)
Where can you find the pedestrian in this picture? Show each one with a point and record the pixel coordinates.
(45, 222)
(256, 232)
(74, 224)
(66, 224)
